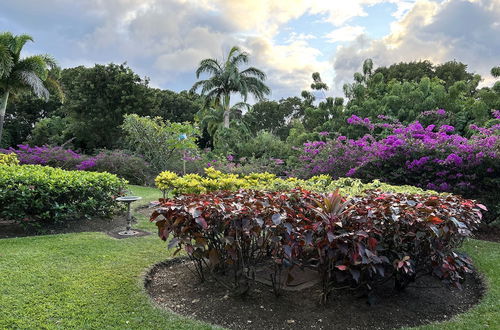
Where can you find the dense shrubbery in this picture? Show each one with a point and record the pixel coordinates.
(35, 195)
(216, 180)
(357, 243)
(8, 159)
(46, 155)
(132, 168)
(429, 157)
(128, 166)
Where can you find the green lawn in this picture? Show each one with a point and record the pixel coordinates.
(92, 281)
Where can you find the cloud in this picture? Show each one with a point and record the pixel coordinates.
(461, 30)
(345, 33)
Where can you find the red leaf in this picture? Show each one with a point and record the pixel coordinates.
(372, 243)
(435, 220)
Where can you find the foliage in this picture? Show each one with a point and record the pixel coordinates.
(97, 100)
(157, 140)
(432, 157)
(124, 164)
(226, 78)
(35, 195)
(362, 242)
(216, 180)
(20, 75)
(50, 131)
(46, 155)
(8, 159)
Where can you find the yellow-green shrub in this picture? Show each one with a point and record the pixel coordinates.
(9, 159)
(216, 180)
(35, 195)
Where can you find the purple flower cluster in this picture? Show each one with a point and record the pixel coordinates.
(430, 156)
(45, 155)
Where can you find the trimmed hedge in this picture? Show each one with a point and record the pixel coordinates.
(34, 195)
(216, 180)
(9, 159)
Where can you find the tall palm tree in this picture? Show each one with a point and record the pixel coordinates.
(18, 75)
(226, 78)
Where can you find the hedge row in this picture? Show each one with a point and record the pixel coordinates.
(34, 195)
(215, 180)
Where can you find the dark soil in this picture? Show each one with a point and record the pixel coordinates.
(9, 229)
(173, 286)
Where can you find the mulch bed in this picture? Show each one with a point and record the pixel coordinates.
(173, 286)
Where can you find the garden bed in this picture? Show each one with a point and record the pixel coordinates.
(172, 286)
(10, 229)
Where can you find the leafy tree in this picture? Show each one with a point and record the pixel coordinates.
(158, 140)
(20, 75)
(225, 78)
(178, 107)
(274, 117)
(97, 100)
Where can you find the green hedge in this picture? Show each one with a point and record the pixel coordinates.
(35, 195)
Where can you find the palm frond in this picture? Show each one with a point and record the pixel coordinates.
(19, 43)
(210, 66)
(241, 58)
(251, 71)
(6, 61)
(36, 64)
(32, 81)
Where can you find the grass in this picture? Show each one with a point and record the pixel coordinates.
(92, 281)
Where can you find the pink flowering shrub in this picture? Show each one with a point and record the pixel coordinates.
(429, 156)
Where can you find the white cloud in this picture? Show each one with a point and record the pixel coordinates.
(345, 33)
(459, 30)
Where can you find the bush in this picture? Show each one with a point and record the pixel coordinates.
(127, 166)
(429, 157)
(216, 180)
(35, 195)
(8, 159)
(132, 168)
(361, 242)
(46, 155)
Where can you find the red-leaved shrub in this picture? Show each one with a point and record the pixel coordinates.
(361, 242)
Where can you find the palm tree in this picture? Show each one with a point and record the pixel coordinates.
(18, 75)
(212, 118)
(226, 78)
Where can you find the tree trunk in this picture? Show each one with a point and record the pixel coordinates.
(3, 106)
(227, 110)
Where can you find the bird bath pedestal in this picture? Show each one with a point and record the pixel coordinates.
(128, 200)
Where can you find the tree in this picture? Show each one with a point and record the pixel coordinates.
(226, 78)
(211, 119)
(158, 140)
(19, 75)
(97, 100)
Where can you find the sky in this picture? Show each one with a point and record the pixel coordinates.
(288, 39)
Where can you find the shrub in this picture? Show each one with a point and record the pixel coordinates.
(216, 180)
(132, 168)
(8, 159)
(157, 140)
(35, 195)
(429, 157)
(361, 242)
(46, 155)
(126, 165)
